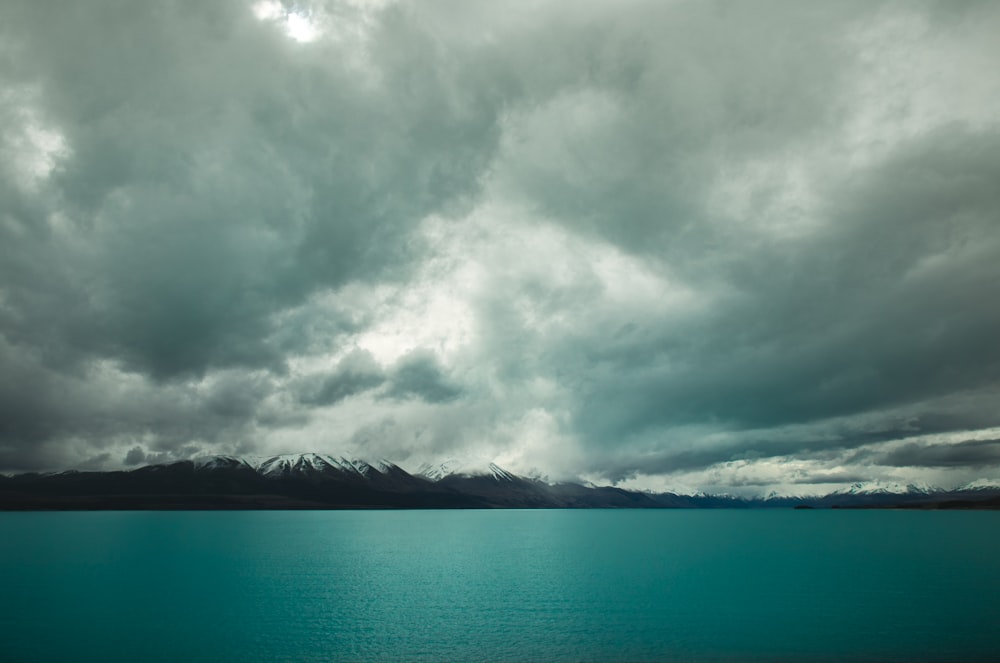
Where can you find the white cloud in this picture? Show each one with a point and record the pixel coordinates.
(298, 24)
(31, 145)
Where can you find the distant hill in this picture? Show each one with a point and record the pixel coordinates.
(319, 481)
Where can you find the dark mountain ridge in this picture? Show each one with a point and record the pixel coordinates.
(315, 481)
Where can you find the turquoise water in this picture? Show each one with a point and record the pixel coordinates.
(590, 585)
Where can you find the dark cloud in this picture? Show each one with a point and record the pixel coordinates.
(51, 419)
(638, 116)
(95, 462)
(881, 310)
(968, 453)
(135, 456)
(648, 239)
(356, 373)
(222, 176)
(832, 478)
(420, 375)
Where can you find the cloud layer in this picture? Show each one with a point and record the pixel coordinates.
(673, 245)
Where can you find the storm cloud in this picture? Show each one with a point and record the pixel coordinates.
(681, 245)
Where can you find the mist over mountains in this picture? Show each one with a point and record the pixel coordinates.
(319, 481)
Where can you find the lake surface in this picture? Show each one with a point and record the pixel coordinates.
(589, 585)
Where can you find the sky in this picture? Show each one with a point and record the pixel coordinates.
(708, 246)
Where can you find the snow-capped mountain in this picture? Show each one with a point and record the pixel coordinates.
(325, 481)
(312, 464)
(886, 488)
(982, 484)
(298, 465)
(465, 468)
(222, 463)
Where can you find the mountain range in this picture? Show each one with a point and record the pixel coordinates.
(320, 481)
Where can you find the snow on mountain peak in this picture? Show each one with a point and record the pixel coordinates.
(313, 463)
(885, 488)
(384, 466)
(221, 462)
(982, 484)
(464, 468)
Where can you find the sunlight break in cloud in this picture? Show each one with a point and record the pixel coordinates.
(298, 25)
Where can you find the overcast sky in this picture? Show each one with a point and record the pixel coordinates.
(721, 246)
